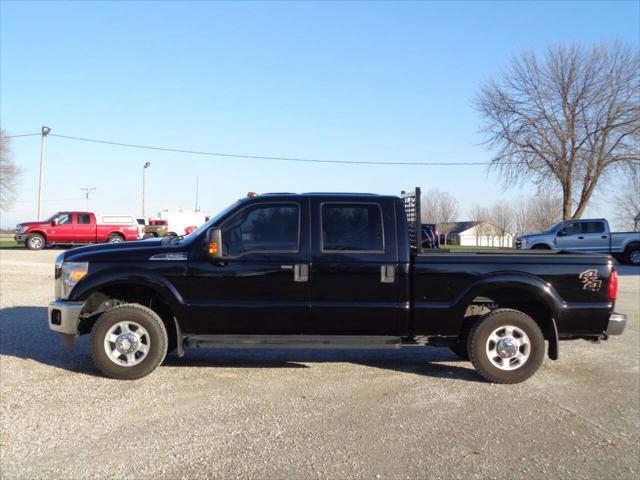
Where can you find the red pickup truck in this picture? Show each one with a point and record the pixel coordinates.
(72, 228)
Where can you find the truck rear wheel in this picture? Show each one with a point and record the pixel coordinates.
(632, 255)
(35, 242)
(115, 238)
(506, 346)
(128, 342)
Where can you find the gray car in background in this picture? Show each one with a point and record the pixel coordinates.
(589, 235)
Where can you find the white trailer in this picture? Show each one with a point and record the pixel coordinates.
(179, 220)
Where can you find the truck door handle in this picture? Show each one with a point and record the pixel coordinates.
(387, 273)
(580, 238)
(603, 236)
(301, 272)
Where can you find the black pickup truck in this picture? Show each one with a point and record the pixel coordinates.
(327, 270)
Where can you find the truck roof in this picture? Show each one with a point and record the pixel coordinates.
(326, 194)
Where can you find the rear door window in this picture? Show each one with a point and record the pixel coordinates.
(352, 227)
(592, 227)
(84, 219)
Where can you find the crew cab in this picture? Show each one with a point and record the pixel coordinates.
(588, 235)
(325, 270)
(73, 228)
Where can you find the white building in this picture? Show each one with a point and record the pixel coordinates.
(475, 234)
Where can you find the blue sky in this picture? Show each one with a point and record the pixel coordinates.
(342, 81)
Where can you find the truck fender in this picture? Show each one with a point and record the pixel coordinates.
(108, 278)
(530, 286)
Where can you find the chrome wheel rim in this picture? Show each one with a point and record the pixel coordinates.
(508, 347)
(634, 257)
(36, 242)
(127, 343)
(115, 240)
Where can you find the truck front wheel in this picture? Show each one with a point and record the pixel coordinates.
(506, 346)
(128, 342)
(35, 242)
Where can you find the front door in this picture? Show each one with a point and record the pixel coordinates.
(262, 285)
(62, 231)
(354, 274)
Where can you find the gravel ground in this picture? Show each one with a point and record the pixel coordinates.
(412, 413)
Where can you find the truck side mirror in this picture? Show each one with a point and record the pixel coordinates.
(214, 243)
(561, 233)
(54, 222)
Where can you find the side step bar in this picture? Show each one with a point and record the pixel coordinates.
(291, 341)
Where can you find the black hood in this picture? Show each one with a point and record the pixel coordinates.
(121, 252)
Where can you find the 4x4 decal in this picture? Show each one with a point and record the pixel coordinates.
(590, 280)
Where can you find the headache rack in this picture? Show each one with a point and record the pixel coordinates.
(411, 201)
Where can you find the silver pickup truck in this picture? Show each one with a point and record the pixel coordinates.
(592, 235)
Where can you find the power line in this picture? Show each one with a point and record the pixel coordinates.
(21, 135)
(262, 157)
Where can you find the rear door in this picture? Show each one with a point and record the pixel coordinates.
(354, 270)
(595, 237)
(83, 229)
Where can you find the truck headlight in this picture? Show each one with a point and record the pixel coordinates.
(70, 274)
(20, 229)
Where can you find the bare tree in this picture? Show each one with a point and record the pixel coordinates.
(429, 207)
(568, 119)
(447, 211)
(480, 215)
(440, 208)
(521, 217)
(627, 202)
(545, 210)
(501, 217)
(9, 173)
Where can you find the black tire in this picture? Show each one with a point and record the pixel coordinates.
(460, 348)
(478, 344)
(157, 341)
(540, 246)
(632, 255)
(35, 241)
(115, 238)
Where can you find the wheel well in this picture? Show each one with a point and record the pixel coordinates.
(632, 245)
(513, 298)
(116, 234)
(108, 297)
(540, 246)
(37, 232)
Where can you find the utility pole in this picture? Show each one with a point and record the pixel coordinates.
(144, 187)
(196, 193)
(45, 132)
(87, 190)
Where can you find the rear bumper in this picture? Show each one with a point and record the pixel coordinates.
(617, 323)
(64, 316)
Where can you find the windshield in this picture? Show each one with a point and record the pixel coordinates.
(206, 225)
(50, 219)
(555, 227)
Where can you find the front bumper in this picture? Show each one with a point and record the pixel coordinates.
(617, 323)
(64, 316)
(20, 238)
